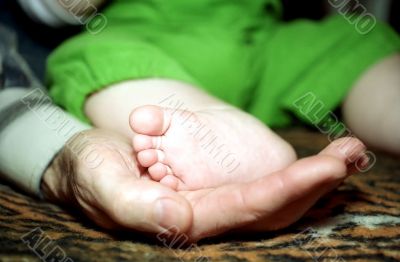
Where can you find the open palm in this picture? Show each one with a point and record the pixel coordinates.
(117, 193)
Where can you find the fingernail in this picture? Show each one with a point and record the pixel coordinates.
(169, 214)
(365, 161)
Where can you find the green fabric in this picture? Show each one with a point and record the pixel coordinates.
(237, 50)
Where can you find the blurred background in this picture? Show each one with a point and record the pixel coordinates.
(36, 41)
(384, 10)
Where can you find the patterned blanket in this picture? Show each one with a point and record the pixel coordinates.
(358, 222)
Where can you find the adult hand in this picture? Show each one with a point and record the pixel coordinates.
(97, 171)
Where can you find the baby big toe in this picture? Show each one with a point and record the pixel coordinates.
(149, 120)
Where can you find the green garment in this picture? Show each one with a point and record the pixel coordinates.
(237, 50)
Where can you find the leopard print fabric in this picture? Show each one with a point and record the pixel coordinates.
(358, 222)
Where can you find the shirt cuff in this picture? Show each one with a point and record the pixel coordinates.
(32, 131)
(49, 12)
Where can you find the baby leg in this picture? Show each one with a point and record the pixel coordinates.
(372, 108)
(186, 138)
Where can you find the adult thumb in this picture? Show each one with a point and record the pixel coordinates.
(145, 205)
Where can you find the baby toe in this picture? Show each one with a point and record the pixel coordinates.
(170, 181)
(150, 157)
(143, 142)
(159, 170)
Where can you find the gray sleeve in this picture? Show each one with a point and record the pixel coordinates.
(62, 12)
(32, 132)
(48, 12)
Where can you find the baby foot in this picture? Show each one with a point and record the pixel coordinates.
(191, 150)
